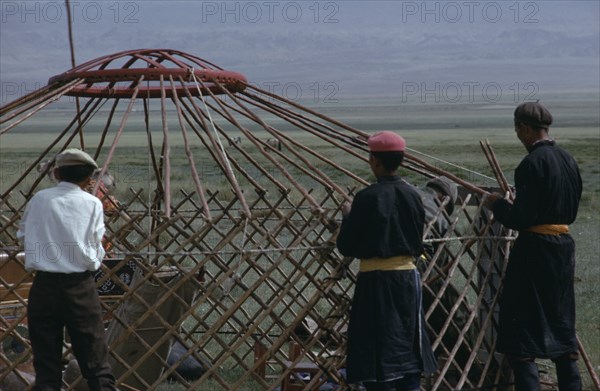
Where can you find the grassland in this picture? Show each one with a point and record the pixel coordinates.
(448, 132)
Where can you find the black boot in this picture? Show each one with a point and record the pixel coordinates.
(526, 375)
(568, 374)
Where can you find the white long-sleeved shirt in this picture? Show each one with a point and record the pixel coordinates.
(62, 229)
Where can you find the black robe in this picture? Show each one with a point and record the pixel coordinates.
(386, 333)
(537, 308)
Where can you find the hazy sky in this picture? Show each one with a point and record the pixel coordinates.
(455, 49)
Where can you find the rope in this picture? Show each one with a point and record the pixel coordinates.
(222, 252)
(462, 238)
(212, 124)
(453, 164)
(227, 285)
(296, 248)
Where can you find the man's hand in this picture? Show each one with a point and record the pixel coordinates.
(346, 206)
(490, 198)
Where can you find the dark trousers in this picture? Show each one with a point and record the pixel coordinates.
(526, 373)
(56, 301)
(410, 382)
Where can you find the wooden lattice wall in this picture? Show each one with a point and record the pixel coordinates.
(244, 289)
(243, 278)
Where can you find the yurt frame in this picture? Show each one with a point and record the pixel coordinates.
(246, 279)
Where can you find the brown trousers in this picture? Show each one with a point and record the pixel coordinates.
(56, 301)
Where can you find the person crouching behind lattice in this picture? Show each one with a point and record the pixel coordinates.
(106, 186)
(434, 194)
(112, 207)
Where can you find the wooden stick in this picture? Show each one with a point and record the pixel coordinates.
(189, 154)
(505, 183)
(115, 142)
(105, 130)
(34, 95)
(286, 116)
(495, 165)
(266, 154)
(166, 150)
(364, 135)
(588, 364)
(488, 156)
(328, 134)
(224, 161)
(45, 152)
(52, 96)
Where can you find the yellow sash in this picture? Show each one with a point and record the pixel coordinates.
(401, 262)
(549, 229)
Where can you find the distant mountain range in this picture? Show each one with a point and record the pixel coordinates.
(369, 50)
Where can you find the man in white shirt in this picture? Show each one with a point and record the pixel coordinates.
(62, 229)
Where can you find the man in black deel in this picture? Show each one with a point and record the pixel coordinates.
(537, 309)
(388, 347)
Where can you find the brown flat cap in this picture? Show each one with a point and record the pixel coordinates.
(534, 114)
(74, 157)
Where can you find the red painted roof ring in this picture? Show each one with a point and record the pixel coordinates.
(232, 81)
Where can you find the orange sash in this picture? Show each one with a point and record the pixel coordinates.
(401, 262)
(549, 229)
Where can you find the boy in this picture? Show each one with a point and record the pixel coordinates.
(388, 347)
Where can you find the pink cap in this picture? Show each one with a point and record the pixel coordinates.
(386, 141)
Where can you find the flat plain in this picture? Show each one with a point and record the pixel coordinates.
(445, 135)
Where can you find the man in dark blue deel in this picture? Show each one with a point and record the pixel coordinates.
(388, 347)
(537, 309)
